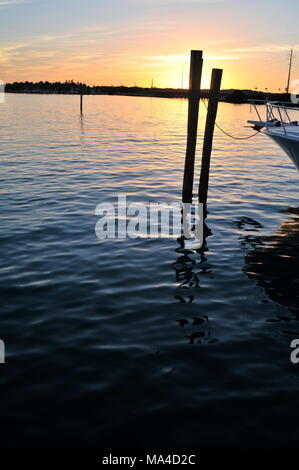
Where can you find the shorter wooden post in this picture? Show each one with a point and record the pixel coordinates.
(81, 103)
(209, 132)
(193, 107)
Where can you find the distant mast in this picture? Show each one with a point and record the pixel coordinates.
(290, 70)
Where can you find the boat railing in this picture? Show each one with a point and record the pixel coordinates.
(276, 111)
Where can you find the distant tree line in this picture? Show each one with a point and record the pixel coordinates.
(69, 86)
(72, 87)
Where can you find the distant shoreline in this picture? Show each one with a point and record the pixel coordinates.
(71, 88)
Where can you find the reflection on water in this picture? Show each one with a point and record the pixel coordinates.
(274, 262)
(82, 131)
(188, 270)
(142, 342)
(190, 267)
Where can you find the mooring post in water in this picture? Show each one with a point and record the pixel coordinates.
(209, 132)
(81, 102)
(196, 62)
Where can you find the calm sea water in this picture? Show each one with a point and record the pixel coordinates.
(138, 342)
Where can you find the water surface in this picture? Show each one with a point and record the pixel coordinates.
(138, 342)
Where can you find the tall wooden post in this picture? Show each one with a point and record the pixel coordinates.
(81, 103)
(209, 132)
(196, 62)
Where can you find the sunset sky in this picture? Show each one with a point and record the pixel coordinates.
(135, 41)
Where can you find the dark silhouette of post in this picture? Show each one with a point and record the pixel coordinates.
(209, 132)
(196, 62)
(81, 103)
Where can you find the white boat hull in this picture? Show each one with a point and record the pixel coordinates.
(290, 146)
(281, 124)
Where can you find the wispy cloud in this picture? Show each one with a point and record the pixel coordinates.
(168, 2)
(8, 3)
(166, 60)
(263, 48)
(223, 57)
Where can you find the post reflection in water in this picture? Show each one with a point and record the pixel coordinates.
(274, 261)
(82, 130)
(188, 271)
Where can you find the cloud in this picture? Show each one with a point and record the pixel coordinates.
(263, 48)
(8, 3)
(166, 60)
(169, 2)
(222, 57)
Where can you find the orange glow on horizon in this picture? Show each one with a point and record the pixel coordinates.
(156, 51)
(163, 71)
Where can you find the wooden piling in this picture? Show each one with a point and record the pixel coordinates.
(81, 103)
(209, 132)
(196, 62)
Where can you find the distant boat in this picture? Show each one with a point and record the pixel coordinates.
(280, 127)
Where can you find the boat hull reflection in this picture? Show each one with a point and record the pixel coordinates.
(274, 263)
